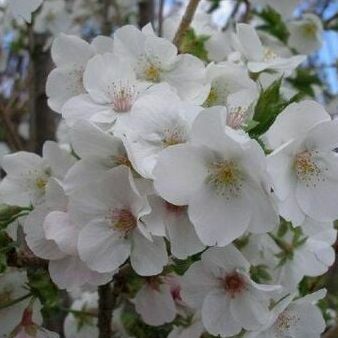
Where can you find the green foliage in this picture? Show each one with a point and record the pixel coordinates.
(273, 24)
(6, 246)
(9, 214)
(194, 45)
(137, 328)
(260, 274)
(269, 105)
(43, 288)
(303, 81)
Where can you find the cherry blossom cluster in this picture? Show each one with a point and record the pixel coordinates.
(160, 166)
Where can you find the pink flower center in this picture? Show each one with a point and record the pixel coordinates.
(176, 293)
(234, 284)
(123, 221)
(123, 97)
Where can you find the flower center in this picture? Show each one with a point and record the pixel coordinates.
(234, 284)
(310, 29)
(226, 178)
(122, 160)
(237, 117)
(41, 183)
(123, 221)
(173, 136)
(152, 73)
(285, 321)
(269, 54)
(123, 97)
(305, 166)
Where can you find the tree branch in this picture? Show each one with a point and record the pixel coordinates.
(160, 17)
(331, 333)
(106, 305)
(185, 22)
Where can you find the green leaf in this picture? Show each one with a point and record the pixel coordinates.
(260, 274)
(269, 105)
(273, 24)
(303, 81)
(194, 45)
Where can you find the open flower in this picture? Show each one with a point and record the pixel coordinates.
(112, 91)
(222, 180)
(304, 173)
(28, 174)
(51, 234)
(221, 287)
(70, 55)
(295, 319)
(156, 60)
(306, 34)
(110, 212)
(260, 58)
(160, 121)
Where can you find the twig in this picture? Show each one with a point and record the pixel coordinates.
(160, 17)
(232, 15)
(331, 333)
(328, 22)
(185, 22)
(22, 260)
(246, 14)
(106, 306)
(106, 26)
(15, 301)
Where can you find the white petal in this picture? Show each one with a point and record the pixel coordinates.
(179, 173)
(156, 307)
(71, 50)
(217, 317)
(70, 272)
(218, 220)
(101, 248)
(148, 257)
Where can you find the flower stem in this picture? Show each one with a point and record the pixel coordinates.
(185, 22)
(106, 306)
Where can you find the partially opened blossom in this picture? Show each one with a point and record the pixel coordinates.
(28, 174)
(220, 286)
(300, 318)
(110, 212)
(221, 178)
(24, 8)
(156, 60)
(13, 287)
(304, 174)
(260, 58)
(29, 329)
(306, 34)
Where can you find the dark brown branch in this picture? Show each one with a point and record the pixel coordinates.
(106, 306)
(185, 22)
(22, 259)
(160, 17)
(331, 333)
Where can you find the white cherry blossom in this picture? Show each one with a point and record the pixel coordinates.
(214, 176)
